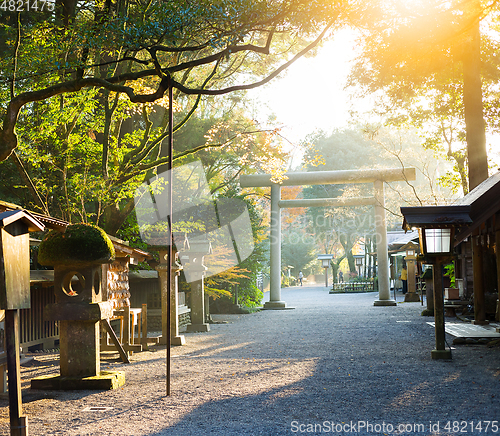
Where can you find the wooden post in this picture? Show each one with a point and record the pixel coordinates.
(411, 295)
(17, 421)
(14, 295)
(440, 352)
(126, 327)
(107, 327)
(497, 255)
(477, 265)
(144, 327)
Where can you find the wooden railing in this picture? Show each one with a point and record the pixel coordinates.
(34, 330)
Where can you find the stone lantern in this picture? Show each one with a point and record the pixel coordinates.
(325, 263)
(169, 290)
(77, 256)
(411, 251)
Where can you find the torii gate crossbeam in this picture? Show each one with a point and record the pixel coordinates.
(377, 177)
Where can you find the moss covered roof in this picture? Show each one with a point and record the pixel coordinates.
(79, 244)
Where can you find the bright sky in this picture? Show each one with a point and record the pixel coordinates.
(310, 96)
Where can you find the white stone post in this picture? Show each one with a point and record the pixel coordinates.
(175, 337)
(197, 270)
(384, 291)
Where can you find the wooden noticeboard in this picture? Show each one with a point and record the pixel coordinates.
(15, 226)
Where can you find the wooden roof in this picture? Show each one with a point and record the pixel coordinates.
(484, 202)
(11, 216)
(466, 214)
(47, 221)
(121, 247)
(436, 216)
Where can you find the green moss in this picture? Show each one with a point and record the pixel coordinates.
(81, 243)
(428, 312)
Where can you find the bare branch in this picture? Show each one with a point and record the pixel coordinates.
(259, 83)
(8, 137)
(16, 50)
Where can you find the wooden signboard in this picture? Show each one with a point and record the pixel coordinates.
(14, 295)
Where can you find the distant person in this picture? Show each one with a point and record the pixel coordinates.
(404, 279)
(341, 277)
(301, 276)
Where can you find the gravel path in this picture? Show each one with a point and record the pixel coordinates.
(335, 364)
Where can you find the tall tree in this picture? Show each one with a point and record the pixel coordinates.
(411, 49)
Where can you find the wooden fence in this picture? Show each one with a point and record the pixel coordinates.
(352, 287)
(34, 330)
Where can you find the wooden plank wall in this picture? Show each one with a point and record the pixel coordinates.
(34, 330)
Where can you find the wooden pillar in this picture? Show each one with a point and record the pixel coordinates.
(477, 269)
(497, 255)
(18, 423)
(163, 273)
(429, 292)
(437, 275)
(144, 327)
(126, 326)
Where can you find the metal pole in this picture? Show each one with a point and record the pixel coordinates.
(169, 223)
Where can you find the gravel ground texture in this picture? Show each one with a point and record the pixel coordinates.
(336, 364)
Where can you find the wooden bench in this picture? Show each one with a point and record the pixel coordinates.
(129, 319)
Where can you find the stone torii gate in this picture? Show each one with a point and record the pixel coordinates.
(377, 177)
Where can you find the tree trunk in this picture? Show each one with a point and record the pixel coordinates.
(115, 216)
(473, 107)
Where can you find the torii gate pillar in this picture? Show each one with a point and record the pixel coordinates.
(275, 251)
(384, 291)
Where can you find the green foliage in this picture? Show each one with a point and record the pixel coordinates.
(84, 100)
(450, 272)
(243, 276)
(287, 281)
(89, 118)
(340, 229)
